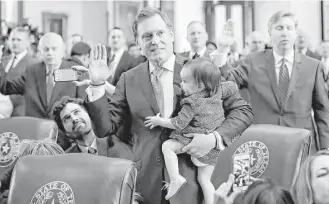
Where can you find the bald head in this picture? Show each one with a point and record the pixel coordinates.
(52, 49)
(255, 42)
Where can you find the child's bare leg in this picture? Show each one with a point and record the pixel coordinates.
(204, 179)
(170, 149)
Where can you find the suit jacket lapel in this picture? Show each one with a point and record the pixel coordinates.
(102, 146)
(40, 77)
(294, 75)
(270, 67)
(119, 66)
(146, 85)
(147, 88)
(22, 61)
(5, 61)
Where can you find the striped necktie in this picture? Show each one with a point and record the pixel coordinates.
(284, 80)
(157, 88)
(50, 85)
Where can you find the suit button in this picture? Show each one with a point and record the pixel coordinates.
(158, 159)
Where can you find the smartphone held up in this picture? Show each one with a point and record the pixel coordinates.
(241, 170)
(67, 75)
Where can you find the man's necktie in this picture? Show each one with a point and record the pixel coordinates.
(283, 81)
(50, 85)
(112, 59)
(157, 88)
(12, 63)
(110, 79)
(92, 150)
(196, 56)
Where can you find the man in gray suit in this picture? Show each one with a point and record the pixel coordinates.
(136, 97)
(285, 86)
(197, 36)
(16, 63)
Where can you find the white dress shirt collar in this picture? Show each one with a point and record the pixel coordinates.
(19, 56)
(118, 54)
(200, 53)
(278, 62)
(303, 51)
(168, 65)
(290, 57)
(93, 145)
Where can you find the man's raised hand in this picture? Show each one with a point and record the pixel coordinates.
(99, 72)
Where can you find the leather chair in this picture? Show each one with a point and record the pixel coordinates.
(276, 153)
(15, 129)
(77, 178)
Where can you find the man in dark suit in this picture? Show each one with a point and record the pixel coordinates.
(80, 54)
(72, 119)
(121, 61)
(16, 63)
(302, 44)
(197, 36)
(37, 83)
(135, 98)
(285, 86)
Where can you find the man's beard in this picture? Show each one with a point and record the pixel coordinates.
(79, 136)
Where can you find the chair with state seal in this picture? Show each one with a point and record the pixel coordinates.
(275, 152)
(15, 129)
(73, 179)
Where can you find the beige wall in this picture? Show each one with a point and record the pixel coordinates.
(73, 9)
(307, 13)
(84, 17)
(94, 21)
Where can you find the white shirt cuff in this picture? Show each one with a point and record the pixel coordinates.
(220, 143)
(95, 92)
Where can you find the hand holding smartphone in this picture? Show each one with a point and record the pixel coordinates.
(241, 170)
(66, 75)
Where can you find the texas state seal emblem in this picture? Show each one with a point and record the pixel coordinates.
(9, 143)
(56, 192)
(259, 156)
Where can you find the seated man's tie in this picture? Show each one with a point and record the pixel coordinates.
(196, 56)
(92, 150)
